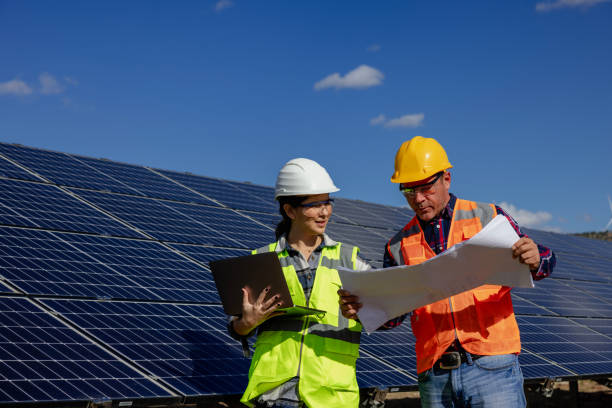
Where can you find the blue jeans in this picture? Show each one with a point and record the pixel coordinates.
(488, 382)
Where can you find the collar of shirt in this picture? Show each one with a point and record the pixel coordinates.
(284, 244)
(445, 214)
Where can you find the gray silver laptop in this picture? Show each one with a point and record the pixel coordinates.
(256, 272)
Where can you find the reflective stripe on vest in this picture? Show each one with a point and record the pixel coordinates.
(321, 350)
(482, 319)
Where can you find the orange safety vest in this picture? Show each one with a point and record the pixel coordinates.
(482, 319)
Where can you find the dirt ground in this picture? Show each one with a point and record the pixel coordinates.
(591, 394)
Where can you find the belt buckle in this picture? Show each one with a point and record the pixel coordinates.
(456, 360)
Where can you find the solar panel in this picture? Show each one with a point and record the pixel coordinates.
(572, 346)
(62, 169)
(45, 263)
(157, 219)
(395, 347)
(228, 223)
(224, 192)
(184, 346)
(563, 299)
(145, 181)
(271, 220)
(345, 211)
(378, 215)
(42, 359)
(206, 254)
(39, 205)
(370, 245)
(120, 255)
(374, 372)
(156, 272)
(9, 170)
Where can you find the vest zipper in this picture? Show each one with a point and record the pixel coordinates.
(307, 320)
(304, 328)
(452, 313)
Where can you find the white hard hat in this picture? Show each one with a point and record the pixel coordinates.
(303, 177)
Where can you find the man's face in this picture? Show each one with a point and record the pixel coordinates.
(429, 196)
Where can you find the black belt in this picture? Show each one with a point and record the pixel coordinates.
(453, 357)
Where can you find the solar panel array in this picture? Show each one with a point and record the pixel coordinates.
(105, 291)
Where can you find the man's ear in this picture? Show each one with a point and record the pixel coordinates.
(446, 178)
(289, 210)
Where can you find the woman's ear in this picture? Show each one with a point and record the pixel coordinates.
(289, 210)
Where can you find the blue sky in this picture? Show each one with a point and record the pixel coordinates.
(518, 92)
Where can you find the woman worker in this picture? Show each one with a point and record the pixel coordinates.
(303, 361)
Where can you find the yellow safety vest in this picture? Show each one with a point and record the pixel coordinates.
(321, 350)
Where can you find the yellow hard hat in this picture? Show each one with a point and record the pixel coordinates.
(418, 159)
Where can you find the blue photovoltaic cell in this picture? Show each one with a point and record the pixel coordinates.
(401, 216)
(4, 289)
(376, 215)
(265, 194)
(185, 346)
(561, 341)
(596, 295)
(395, 346)
(563, 299)
(39, 205)
(62, 169)
(206, 254)
(371, 245)
(224, 192)
(9, 170)
(603, 326)
(589, 267)
(145, 181)
(374, 372)
(228, 223)
(41, 359)
(534, 367)
(345, 212)
(574, 245)
(158, 219)
(44, 263)
(528, 307)
(271, 220)
(159, 272)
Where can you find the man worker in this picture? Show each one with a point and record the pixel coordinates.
(467, 346)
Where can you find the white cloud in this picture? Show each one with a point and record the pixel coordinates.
(361, 77)
(413, 120)
(71, 81)
(527, 218)
(223, 4)
(378, 120)
(49, 85)
(409, 120)
(15, 87)
(557, 4)
(374, 48)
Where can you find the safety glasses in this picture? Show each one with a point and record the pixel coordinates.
(425, 189)
(319, 204)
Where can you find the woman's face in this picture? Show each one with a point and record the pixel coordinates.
(310, 220)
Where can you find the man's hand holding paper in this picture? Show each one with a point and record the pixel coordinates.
(489, 257)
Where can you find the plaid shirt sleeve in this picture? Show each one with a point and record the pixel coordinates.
(547, 257)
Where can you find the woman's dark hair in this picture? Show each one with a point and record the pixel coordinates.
(284, 225)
